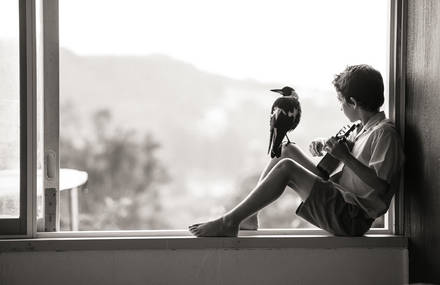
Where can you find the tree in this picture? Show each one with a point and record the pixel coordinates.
(123, 189)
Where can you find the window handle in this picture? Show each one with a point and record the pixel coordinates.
(51, 165)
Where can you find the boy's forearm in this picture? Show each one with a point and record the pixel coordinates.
(365, 173)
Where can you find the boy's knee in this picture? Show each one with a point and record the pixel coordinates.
(287, 164)
(289, 150)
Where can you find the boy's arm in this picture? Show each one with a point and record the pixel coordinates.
(366, 174)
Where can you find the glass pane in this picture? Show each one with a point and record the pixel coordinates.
(166, 110)
(40, 146)
(9, 110)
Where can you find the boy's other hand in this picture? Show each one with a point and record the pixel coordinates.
(337, 148)
(316, 147)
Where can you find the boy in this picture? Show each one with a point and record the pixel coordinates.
(350, 200)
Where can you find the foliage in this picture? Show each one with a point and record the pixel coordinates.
(124, 173)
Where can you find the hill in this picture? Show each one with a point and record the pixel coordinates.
(201, 118)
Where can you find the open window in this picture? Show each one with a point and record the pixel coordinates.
(150, 110)
(174, 113)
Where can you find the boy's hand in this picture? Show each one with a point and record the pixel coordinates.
(337, 148)
(317, 146)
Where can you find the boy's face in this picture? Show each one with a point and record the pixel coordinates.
(347, 108)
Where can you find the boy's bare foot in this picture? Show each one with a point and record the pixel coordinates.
(215, 228)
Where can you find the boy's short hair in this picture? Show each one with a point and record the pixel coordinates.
(363, 83)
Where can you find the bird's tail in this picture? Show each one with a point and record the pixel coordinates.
(270, 141)
(277, 140)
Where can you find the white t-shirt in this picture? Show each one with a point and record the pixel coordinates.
(378, 146)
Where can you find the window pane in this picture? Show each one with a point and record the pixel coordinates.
(9, 110)
(165, 104)
(40, 112)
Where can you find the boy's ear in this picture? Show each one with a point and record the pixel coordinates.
(353, 102)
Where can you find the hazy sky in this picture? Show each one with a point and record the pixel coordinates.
(276, 40)
(272, 41)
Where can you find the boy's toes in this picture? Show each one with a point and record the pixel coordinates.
(195, 226)
(194, 229)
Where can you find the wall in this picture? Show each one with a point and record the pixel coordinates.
(207, 266)
(422, 140)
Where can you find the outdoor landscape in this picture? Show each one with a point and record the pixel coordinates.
(165, 144)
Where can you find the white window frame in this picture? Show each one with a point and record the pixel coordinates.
(51, 140)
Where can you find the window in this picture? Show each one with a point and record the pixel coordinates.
(10, 112)
(163, 113)
(16, 119)
(157, 116)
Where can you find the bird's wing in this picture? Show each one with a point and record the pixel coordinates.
(273, 118)
(273, 136)
(270, 139)
(281, 126)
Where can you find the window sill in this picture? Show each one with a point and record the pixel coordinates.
(189, 242)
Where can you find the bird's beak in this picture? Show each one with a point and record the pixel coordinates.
(277, 90)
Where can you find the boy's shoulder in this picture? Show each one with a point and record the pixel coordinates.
(386, 126)
(386, 131)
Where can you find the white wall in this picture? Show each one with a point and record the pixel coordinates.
(207, 266)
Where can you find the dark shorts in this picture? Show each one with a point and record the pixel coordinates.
(326, 208)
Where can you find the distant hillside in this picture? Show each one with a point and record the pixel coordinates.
(199, 117)
(210, 126)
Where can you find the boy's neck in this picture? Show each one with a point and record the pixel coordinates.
(365, 116)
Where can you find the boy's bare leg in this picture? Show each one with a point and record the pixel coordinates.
(285, 172)
(291, 151)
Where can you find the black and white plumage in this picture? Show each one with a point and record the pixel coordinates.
(285, 116)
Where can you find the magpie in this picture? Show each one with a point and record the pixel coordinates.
(285, 116)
